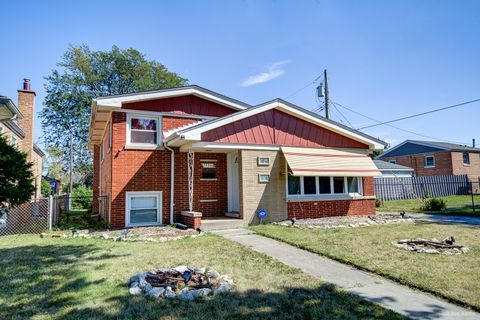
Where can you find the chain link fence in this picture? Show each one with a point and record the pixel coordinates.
(43, 214)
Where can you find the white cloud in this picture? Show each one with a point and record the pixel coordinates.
(274, 71)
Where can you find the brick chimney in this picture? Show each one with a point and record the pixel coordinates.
(26, 105)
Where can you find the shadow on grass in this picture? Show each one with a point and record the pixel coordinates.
(43, 279)
(323, 302)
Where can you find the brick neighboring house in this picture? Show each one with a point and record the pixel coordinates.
(179, 154)
(17, 125)
(429, 158)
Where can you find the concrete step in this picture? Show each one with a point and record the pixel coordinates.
(222, 223)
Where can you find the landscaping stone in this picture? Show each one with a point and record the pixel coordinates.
(430, 246)
(184, 282)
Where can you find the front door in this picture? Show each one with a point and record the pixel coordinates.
(233, 187)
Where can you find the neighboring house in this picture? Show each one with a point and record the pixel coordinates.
(174, 155)
(429, 158)
(55, 184)
(393, 170)
(17, 126)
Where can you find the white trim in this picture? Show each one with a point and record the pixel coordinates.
(325, 196)
(166, 114)
(117, 102)
(208, 200)
(263, 178)
(226, 146)
(425, 161)
(129, 145)
(195, 133)
(130, 194)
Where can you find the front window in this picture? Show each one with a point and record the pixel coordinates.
(293, 185)
(143, 208)
(208, 169)
(309, 186)
(324, 185)
(338, 185)
(353, 184)
(466, 158)
(429, 161)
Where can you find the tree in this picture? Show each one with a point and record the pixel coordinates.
(87, 74)
(16, 176)
(46, 188)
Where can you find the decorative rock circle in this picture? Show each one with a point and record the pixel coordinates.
(182, 282)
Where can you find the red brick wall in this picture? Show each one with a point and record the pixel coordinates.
(472, 170)
(312, 209)
(443, 163)
(330, 208)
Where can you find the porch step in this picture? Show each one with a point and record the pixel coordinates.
(232, 214)
(222, 223)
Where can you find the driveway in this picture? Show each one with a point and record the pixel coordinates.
(442, 219)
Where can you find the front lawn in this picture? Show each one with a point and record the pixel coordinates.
(455, 277)
(457, 205)
(54, 278)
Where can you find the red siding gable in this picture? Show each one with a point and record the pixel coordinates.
(182, 105)
(279, 128)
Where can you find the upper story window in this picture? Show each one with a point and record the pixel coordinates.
(429, 162)
(466, 158)
(392, 161)
(143, 130)
(309, 186)
(14, 142)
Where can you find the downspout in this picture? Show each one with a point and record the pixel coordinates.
(172, 183)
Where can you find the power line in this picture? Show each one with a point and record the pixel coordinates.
(395, 127)
(303, 88)
(422, 113)
(338, 110)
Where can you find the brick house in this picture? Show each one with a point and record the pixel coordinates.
(16, 124)
(185, 154)
(429, 158)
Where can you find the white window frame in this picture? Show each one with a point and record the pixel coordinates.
(263, 177)
(330, 195)
(425, 163)
(263, 161)
(14, 142)
(132, 194)
(128, 142)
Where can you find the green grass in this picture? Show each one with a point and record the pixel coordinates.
(455, 277)
(456, 205)
(55, 278)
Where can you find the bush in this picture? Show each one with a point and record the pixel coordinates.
(46, 188)
(82, 198)
(378, 203)
(434, 204)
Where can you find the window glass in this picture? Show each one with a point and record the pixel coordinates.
(309, 185)
(466, 158)
(293, 185)
(429, 161)
(143, 131)
(352, 184)
(208, 170)
(338, 185)
(143, 210)
(392, 161)
(324, 184)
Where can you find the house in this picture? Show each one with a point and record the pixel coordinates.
(186, 154)
(17, 125)
(393, 170)
(429, 158)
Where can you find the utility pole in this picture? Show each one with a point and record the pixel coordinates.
(70, 187)
(327, 102)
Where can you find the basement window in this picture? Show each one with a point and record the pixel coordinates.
(208, 169)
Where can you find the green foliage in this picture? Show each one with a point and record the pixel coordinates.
(378, 203)
(46, 188)
(82, 198)
(16, 177)
(53, 163)
(85, 74)
(80, 219)
(434, 204)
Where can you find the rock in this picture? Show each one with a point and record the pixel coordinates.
(169, 293)
(138, 277)
(363, 224)
(213, 274)
(187, 295)
(135, 291)
(147, 287)
(154, 293)
(200, 270)
(117, 238)
(134, 284)
(181, 269)
(105, 236)
(223, 288)
(200, 292)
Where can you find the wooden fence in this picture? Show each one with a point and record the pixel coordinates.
(420, 187)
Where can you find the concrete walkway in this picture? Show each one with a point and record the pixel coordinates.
(406, 301)
(441, 219)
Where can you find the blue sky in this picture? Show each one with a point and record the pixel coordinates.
(385, 59)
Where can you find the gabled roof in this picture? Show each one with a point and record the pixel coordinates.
(387, 166)
(8, 109)
(432, 146)
(194, 133)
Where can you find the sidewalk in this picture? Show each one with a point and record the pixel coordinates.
(401, 299)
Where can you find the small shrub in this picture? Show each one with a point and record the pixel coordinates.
(82, 198)
(434, 204)
(378, 203)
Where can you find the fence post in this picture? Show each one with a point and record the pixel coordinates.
(473, 199)
(50, 212)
